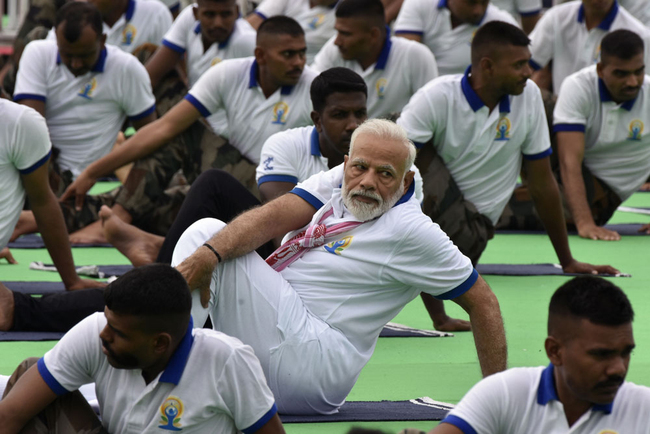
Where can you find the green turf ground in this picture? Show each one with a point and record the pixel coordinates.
(442, 368)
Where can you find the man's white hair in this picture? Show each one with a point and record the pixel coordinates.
(387, 130)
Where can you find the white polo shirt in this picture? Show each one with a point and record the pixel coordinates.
(561, 35)
(317, 21)
(640, 9)
(24, 147)
(173, 5)
(185, 36)
(252, 118)
(144, 21)
(390, 84)
(519, 7)
(432, 21)
(85, 113)
(617, 143)
(212, 384)
(482, 150)
(294, 155)
(524, 400)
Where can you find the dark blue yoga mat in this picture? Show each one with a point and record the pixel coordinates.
(370, 411)
(35, 287)
(33, 241)
(621, 228)
(30, 336)
(528, 270)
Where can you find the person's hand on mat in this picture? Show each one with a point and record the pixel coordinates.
(85, 284)
(6, 254)
(645, 228)
(594, 232)
(578, 267)
(197, 270)
(78, 189)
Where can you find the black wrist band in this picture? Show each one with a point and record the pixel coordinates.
(213, 251)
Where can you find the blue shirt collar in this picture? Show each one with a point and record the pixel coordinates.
(475, 101)
(605, 96)
(443, 4)
(252, 81)
(315, 143)
(222, 45)
(176, 365)
(407, 195)
(130, 10)
(97, 67)
(385, 51)
(606, 23)
(547, 392)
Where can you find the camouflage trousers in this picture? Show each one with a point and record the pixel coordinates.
(444, 203)
(68, 414)
(520, 212)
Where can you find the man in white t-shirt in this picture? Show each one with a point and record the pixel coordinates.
(315, 16)
(474, 130)
(152, 370)
(582, 391)
(447, 27)
(529, 11)
(364, 45)
(314, 310)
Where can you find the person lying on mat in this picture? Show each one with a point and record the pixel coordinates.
(25, 150)
(589, 344)
(153, 371)
(358, 249)
(474, 130)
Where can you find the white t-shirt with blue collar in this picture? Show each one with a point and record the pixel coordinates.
(561, 35)
(144, 21)
(432, 21)
(232, 86)
(173, 5)
(390, 84)
(617, 142)
(483, 150)
(525, 400)
(212, 384)
(85, 113)
(519, 7)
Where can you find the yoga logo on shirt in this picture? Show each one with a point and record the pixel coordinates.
(636, 130)
(317, 21)
(380, 86)
(503, 129)
(267, 163)
(128, 34)
(337, 247)
(88, 89)
(608, 431)
(280, 111)
(596, 57)
(215, 61)
(171, 411)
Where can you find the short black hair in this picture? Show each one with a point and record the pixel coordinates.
(154, 290)
(373, 9)
(623, 44)
(335, 80)
(76, 16)
(496, 34)
(279, 25)
(592, 298)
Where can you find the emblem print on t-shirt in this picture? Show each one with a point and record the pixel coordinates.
(280, 111)
(128, 34)
(88, 89)
(503, 129)
(215, 61)
(380, 86)
(336, 247)
(267, 163)
(317, 21)
(636, 130)
(171, 412)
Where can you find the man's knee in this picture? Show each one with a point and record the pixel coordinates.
(194, 236)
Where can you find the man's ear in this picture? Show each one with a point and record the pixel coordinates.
(408, 179)
(486, 64)
(599, 69)
(554, 350)
(162, 342)
(259, 55)
(316, 119)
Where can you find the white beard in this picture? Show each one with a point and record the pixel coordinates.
(363, 211)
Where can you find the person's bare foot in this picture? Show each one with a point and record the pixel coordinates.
(26, 225)
(91, 234)
(6, 308)
(138, 246)
(452, 325)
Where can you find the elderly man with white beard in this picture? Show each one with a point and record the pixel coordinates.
(357, 249)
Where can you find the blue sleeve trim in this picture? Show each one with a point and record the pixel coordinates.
(460, 424)
(175, 8)
(307, 197)
(197, 104)
(460, 289)
(569, 127)
(49, 379)
(418, 145)
(412, 32)
(36, 165)
(173, 47)
(264, 17)
(536, 66)
(144, 114)
(260, 423)
(277, 178)
(539, 156)
(22, 96)
(530, 13)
